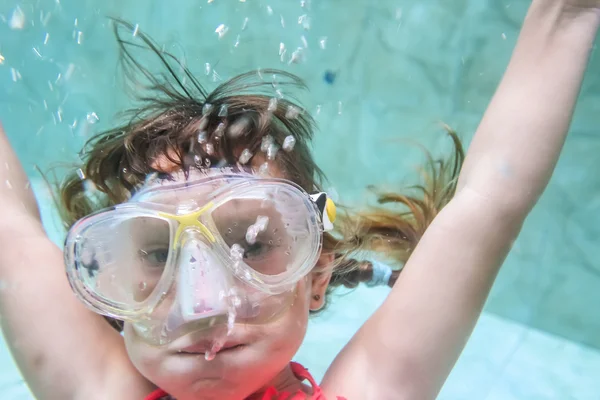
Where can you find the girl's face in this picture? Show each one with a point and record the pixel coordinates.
(254, 356)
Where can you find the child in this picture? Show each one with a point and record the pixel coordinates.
(209, 248)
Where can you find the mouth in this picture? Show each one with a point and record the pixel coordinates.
(203, 347)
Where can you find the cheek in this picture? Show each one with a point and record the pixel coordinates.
(144, 358)
(292, 325)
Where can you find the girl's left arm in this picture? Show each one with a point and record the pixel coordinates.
(408, 347)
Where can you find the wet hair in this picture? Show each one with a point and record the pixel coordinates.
(179, 121)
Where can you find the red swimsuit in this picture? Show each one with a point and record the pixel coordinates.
(271, 393)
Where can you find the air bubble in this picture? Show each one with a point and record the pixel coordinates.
(297, 56)
(340, 108)
(92, 118)
(221, 30)
(236, 252)
(15, 74)
(223, 110)
(210, 355)
(251, 234)
(323, 43)
(207, 68)
(202, 137)
(267, 140)
(203, 124)
(245, 24)
(272, 151)
(142, 286)
(8, 184)
(288, 143)
(292, 112)
(269, 10)
(282, 21)
(272, 105)
(136, 29)
(264, 169)
(304, 20)
(17, 20)
(230, 322)
(304, 42)
(210, 149)
(207, 109)
(220, 130)
(262, 222)
(237, 128)
(81, 174)
(89, 186)
(245, 156)
(236, 301)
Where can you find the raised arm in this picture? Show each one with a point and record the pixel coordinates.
(409, 346)
(63, 350)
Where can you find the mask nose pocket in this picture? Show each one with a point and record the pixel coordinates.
(202, 283)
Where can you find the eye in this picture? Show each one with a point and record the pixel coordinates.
(155, 258)
(256, 250)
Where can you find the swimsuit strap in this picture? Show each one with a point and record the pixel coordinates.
(302, 373)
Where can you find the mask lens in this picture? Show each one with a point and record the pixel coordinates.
(122, 258)
(267, 229)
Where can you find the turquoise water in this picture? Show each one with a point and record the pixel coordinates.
(400, 67)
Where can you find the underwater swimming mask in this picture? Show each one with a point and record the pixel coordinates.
(185, 254)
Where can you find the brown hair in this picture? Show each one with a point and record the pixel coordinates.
(166, 126)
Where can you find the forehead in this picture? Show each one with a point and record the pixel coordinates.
(193, 186)
(164, 164)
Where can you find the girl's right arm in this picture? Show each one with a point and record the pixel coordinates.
(63, 350)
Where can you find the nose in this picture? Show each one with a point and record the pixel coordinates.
(202, 283)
